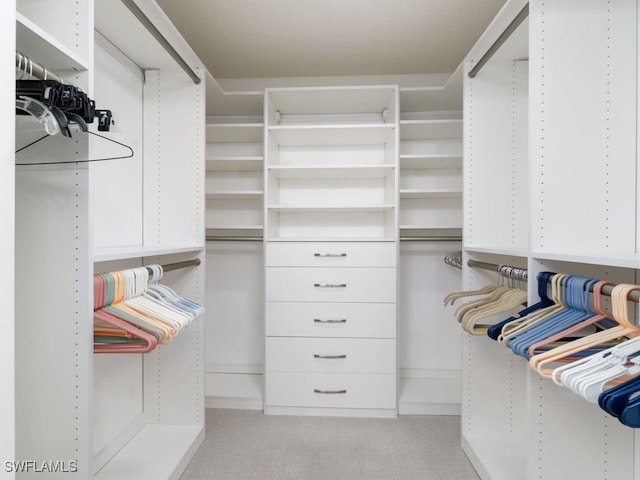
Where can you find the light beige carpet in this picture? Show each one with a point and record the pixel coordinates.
(247, 445)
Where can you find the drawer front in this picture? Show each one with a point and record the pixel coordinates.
(331, 390)
(338, 355)
(330, 284)
(299, 319)
(330, 254)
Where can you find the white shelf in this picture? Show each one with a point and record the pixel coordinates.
(331, 171)
(328, 208)
(422, 229)
(507, 456)
(157, 452)
(426, 194)
(631, 260)
(231, 230)
(513, 252)
(234, 132)
(354, 134)
(330, 239)
(447, 128)
(139, 251)
(230, 164)
(230, 226)
(420, 161)
(42, 48)
(233, 194)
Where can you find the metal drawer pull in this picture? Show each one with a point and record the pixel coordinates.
(329, 392)
(337, 320)
(331, 357)
(330, 285)
(326, 254)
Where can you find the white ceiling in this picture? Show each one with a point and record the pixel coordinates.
(294, 38)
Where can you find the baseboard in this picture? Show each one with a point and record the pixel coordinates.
(430, 392)
(234, 403)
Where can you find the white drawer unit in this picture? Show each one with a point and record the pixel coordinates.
(331, 250)
(330, 254)
(338, 355)
(331, 390)
(309, 319)
(325, 284)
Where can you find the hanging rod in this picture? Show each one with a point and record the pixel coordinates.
(606, 290)
(234, 239)
(434, 238)
(515, 23)
(453, 259)
(504, 270)
(178, 265)
(34, 69)
(148, 24)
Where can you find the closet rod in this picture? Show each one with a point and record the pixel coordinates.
(516, 273)
(148, 24)
(235, 239)
(515, 23)
(34, 69)
(451, 238)
(176, 266)
(606, 290)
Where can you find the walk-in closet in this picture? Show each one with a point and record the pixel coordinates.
(235, 271)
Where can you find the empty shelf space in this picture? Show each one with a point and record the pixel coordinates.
(356, 134)
(331, 171)
(330, 208)
(232, 194)
(426, 193)
(229, 163)
(420, 99)
(331, 100)
(234, 132)
(234, 232)
(419, 161)
(446, 128)
(430, 230)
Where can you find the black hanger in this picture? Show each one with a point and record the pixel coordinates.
(131, 152)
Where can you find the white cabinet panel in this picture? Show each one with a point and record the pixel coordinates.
(305, 319)
(299, 284)
(338, 355)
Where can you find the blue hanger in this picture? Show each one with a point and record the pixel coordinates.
(575, 291)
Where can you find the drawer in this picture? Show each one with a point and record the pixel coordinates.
(331, 390)
(298, 284)
(338, 355)
(300, 319)
(330, 254)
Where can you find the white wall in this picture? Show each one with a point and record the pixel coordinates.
(7, 185)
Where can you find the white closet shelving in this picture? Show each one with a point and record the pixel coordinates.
(330, 171)
(331, 250)
(430, 192)
(52, 256)
(234, 185)
(540, 136)
(234, 223)
(119, 415)
(431, 173)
